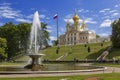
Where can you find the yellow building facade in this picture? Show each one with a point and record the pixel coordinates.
(76, 33)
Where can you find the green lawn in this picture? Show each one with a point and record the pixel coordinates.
(110, 76)
(114, 53)
(78, 51)
(11, 64)
(107, 64)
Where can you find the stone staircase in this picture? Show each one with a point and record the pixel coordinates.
(104, 54)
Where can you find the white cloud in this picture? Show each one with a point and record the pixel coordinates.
(90, 21)
(62, 29)
(53, 38)
(117, 5)
(42, 16)
(22, 20)
(115, 14)
(104, 34)
(93, 31)
(47, 18)
(110, 14)
(49, 27)
(69, 16)
(106, 23)
(112, 11)
(4, 4)
(70, 20)
(7, 11)
(106, 17)
(87, 20)
(30, 16)
(104, 10)
(49, 30)
(83, 11)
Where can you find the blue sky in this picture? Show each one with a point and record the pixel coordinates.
(98, 14)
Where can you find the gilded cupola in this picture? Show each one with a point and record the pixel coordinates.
(76, 18)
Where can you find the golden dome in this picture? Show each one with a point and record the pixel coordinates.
(83, 25)
(76, 18)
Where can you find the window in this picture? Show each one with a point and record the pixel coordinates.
(74, 34)
(75, 38)
(81, 37)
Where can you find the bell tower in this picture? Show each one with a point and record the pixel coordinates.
(83, 27)
(68, 26)
(76, 19)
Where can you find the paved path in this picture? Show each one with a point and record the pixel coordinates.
(109, 70)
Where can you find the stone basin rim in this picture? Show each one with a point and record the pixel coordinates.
(100, 68)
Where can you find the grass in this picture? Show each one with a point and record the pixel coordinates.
(78, 51)
(114, 53)
(10, 63)
(108, 64)
(108, 76)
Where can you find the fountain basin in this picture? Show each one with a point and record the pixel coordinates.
(51, 68)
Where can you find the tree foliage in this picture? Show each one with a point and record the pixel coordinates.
(55, 42)
(45, 34)
(116, 33)
(23, 32)
(97, 36)
(10, 32)
(3, 46)
(17, 37)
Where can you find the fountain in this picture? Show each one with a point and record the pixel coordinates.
(35, 44)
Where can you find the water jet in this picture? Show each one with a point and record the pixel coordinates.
(35, 44)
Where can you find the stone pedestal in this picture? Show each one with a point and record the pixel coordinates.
(36, 63)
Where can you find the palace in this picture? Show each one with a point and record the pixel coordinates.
(76, 33)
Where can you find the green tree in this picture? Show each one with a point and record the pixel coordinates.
(55, 42)
(3, 46)
(10, 32)
(17, 37)
(116, 33)
(97, 36)
(45, 34)
(23, 32)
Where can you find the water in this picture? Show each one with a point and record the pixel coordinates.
(36, 42)
(36, 36)
(50, 67)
